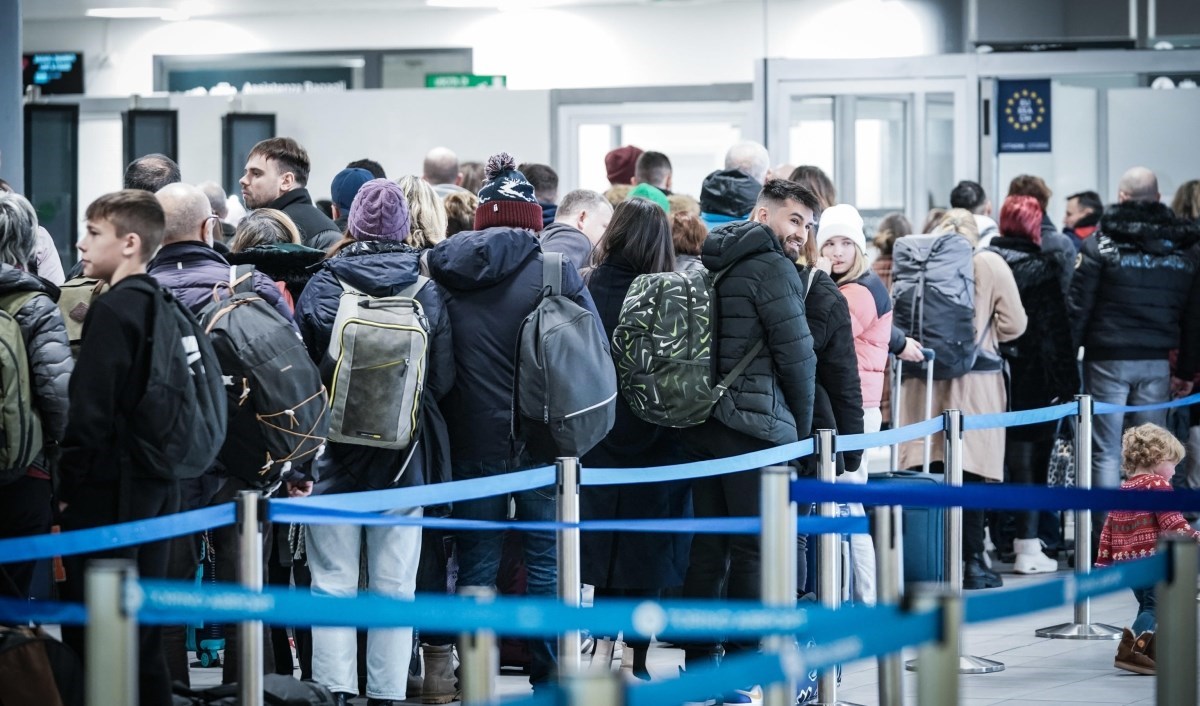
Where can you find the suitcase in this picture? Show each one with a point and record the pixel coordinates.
(923, 528)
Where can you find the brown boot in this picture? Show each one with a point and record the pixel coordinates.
(1128, 656)
(1144, 644)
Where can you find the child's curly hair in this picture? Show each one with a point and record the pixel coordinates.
(1148, 445)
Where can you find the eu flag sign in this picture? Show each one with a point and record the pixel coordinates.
(1023, 116)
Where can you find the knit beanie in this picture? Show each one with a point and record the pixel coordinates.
(345, 186)
(379, 212)
(843, 220)
(621, 163)
(650, 193)
(506, 197)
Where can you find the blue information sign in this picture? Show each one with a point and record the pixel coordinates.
(1023, 116)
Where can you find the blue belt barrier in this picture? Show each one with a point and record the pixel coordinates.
(861, 442)
(18, 611)
(1109, 408)
(685, 525)
(700, 469)
(996, 496)
(101, 539)
(1020, 418)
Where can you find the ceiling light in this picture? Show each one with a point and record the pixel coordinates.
(128, 13)
(499, 4)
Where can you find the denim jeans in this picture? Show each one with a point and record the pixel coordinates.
(392, 555)
(479, 551)
(1122, 382)
(1145, 619)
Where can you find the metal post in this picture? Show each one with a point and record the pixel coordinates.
(480, 656)
(778, 575)
(829, 562)
(1082, 628)
(569, 582)
(888, 587)
(953, 531)
(112, 645)
(937, 679)
(593, 689)
(250, 575)
(1175, 648)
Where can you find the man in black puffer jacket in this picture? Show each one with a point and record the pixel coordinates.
(760, 299)
(1129, 298)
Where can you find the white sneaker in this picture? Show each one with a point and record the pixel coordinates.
(1030, 559)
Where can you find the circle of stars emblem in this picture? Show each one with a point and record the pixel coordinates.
(1025, 110)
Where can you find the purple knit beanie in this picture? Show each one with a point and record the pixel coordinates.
(379, 212)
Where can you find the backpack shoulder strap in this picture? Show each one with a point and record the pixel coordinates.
(740, 367)
(13, 301)
(552, 272)
(413, 289)
(241, 278)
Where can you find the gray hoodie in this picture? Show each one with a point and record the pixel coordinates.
(571, 242)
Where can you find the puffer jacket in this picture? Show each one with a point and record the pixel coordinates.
(727, 196)
(381, 269)
(287, 263)
(838, 403)
(316, 229)
(871, 317)
(761, 297)
(1132, 284)
(191, 270)
(50, 361)
(493, 279)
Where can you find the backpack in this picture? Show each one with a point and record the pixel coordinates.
(564, 386)
(277, 690)
(380, 349)
(277, 404)
(178, 427)
(662, 346)
(74, 299)
(20, 426)
(933, 290)
(38, 670)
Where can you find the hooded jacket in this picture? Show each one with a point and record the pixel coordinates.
(726, 196)
(316, 229)
(381, 269)
(287, 263)
(493, 279)
(761, 297)
(571, 242)
(194, 272)
(871, 319)
(1132, 284)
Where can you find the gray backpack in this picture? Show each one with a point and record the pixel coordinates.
(565, 387)
(379, 347)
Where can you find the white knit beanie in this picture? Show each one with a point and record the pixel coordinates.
(843, 220)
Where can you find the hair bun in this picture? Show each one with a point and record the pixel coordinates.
(498, 163)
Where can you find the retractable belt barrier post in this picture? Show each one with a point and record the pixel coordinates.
(593, 689)
(112, 646)
(250, 575)
(778, 574)
(1175, 651)
(953, 531)
(887, 586)
(1082, 628)
(937, 678)
(479, 655)
(569, 586)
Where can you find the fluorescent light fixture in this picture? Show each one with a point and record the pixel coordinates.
(128, 13)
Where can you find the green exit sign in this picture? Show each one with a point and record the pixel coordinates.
(464, 81)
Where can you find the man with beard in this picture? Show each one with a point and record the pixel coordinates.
(276, 177)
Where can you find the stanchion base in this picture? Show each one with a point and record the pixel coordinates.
(1080, 631)
(966, 665)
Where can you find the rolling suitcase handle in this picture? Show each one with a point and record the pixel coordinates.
(930, 356)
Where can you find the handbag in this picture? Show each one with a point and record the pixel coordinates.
(1060, 472)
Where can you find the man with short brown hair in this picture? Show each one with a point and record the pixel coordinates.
(276, 177)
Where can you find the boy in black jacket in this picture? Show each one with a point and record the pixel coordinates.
(101, 483)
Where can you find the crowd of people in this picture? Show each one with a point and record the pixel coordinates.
(807, 311)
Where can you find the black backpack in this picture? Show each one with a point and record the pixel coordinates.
(277, 404)
(179, 425)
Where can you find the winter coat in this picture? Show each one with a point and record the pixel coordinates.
(727, 196)
(871, 316)
(492, 279)
(316, 229)
(195, 272)
(631, 560)
(1059, 245)
(571, 242)
(1132, 285)
(761, 298)
(381, 269)
(46, 262)
(1042, 368)
(837, 401)
(688, 263)
(996, 301)
(50, 361)
(287, 263)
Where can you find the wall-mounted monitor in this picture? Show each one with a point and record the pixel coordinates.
(54, 73)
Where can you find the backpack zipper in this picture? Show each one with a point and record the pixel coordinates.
(585, 410)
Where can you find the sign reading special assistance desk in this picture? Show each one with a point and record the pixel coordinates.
(1023, 116)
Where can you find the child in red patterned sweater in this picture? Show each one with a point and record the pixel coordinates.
(1149, 455)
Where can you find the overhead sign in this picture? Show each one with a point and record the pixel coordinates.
(1023, 116)
(464, 81)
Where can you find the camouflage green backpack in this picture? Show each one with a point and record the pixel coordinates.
(663, 348)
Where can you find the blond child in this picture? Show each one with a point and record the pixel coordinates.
(1149, 455)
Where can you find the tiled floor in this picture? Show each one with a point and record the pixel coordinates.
(1037, 670)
